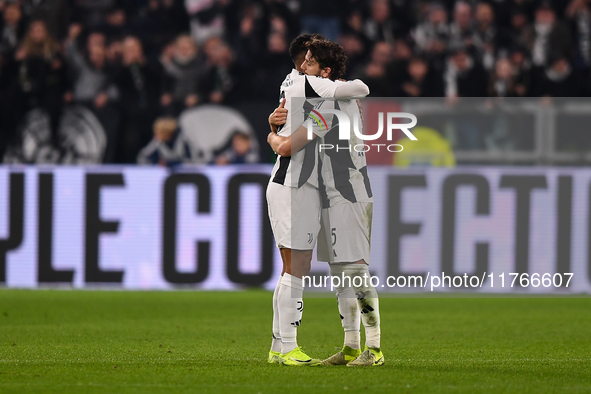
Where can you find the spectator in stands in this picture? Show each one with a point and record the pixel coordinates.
(206, 18)
(464, 76)
(94, 39)
(421, 82)
(502, 82)
(140, 83)
(374, 73)
(168, 147)
(486, 35)
(283, 19)
(228, 85)
(42, 74)
(355, 49)
(462, 32)
(548, 36)
(186, 73)
(559, 79)
(354, 24)
(12, 29)
(239, 152)
(115, 53)
(210, 46)
(94, 85)
(277, 65)
(380, 26)
(519, 29)
(248, 35)
(579, 13)
(397, 68)
(522, 71)
(432, 35)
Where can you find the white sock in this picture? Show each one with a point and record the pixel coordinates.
(353, 339)
(291, 307)
(348, 309)
(367, 299)
(276, 342)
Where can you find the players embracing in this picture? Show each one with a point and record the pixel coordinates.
(321, 194)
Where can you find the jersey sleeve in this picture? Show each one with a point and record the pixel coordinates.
(324, 87)
(320, 87)
(355, 89)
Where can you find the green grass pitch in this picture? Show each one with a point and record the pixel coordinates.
(191, 341)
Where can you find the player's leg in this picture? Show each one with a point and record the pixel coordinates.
(291, 307)
(276, 344)
(350, 231)
(360, 215)
(304, 226)
(350, 320)
(290, 301)
(369, 305)
(346, 299)
(276, 197)
(275, 352)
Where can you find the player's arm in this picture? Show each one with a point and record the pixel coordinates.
(278, 117)
(355, 89)
(340, 90)
(285, 145)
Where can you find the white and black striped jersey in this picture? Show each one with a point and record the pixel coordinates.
(343, 168)
(301, 167)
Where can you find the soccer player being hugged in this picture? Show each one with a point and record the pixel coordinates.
(346, 209)
(293, 197)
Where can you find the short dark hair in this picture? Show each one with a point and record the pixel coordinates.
(298, 47)
(329, 54)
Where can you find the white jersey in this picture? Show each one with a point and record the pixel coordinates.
(301, 167)
(343, 171)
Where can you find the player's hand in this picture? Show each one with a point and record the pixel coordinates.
(279, 116)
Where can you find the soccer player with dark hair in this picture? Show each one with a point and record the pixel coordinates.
(347, 208)
(294, 203)
(329, 56)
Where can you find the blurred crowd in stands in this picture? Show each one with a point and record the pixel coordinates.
(132, 62)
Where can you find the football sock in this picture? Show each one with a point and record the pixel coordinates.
(367, 299)
(276, 343)
(291, 306)
(348, 309)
